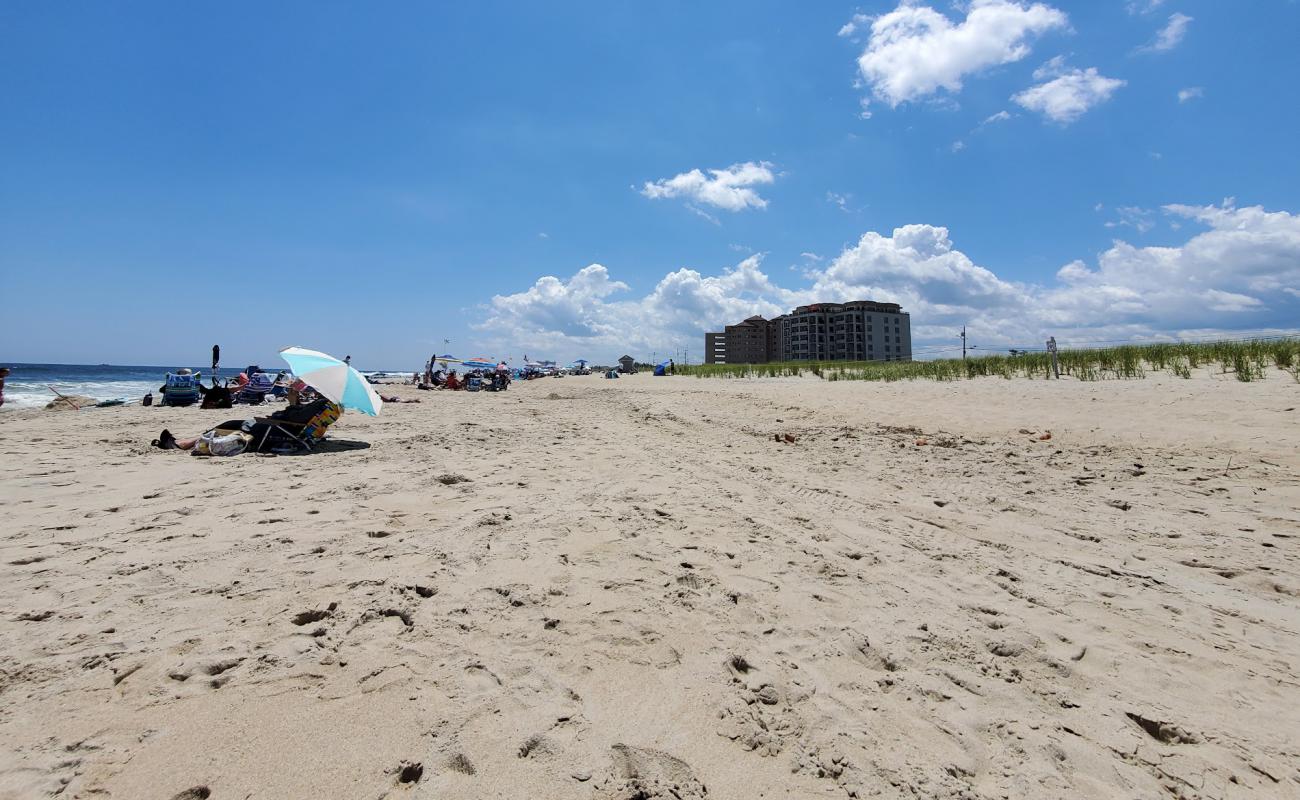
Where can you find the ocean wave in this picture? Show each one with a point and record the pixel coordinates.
(30, 395)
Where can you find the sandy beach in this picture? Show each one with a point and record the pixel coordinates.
(666, 588)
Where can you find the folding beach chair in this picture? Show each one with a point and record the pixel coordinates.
(300, 435)
(255, 391)
(180, 390)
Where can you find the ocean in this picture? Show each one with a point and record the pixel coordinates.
(28, 385)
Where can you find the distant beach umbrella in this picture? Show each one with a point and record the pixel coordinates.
(480, 362)
(333, 379)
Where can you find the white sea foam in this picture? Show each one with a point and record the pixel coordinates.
(32, 395)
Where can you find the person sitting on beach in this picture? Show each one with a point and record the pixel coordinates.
(296, 413)
(453, 382)
(283, 380)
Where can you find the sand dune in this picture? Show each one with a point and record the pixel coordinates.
(666, 588)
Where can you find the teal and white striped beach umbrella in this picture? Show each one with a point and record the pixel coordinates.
(333, 379)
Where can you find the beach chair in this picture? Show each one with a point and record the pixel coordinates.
(255, 391)
(180, 390)
(300, 435)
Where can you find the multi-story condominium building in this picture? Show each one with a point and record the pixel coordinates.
(752, 341)
(861, 330)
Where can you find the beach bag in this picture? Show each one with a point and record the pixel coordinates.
(218, 397)
(214, 444)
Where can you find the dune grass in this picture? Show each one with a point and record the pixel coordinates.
(1245, 360)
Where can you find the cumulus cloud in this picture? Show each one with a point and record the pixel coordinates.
(1065, 93)
(915, 51)
(1240, 270)
(1169, 36)
(580, 316)
(730, 189)
(1190, 93)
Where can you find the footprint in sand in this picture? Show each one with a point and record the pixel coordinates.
(482, 677)
(410, 772)
(646, 774)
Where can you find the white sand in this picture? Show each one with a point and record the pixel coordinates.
(638, 593)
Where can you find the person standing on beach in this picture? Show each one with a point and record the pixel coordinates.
(4, 373)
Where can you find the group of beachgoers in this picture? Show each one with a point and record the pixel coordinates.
(473, 380)
(252, 386)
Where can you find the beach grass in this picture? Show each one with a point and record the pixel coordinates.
(1249, 360)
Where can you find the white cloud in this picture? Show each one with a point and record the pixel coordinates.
(1069, 93)
(543, 235)
(1169, 36)
(1001, 116)
(915, 51)
(1139, 219)
(1143, 6)
(578, 316)
(840, 201)
(1240, 271)
(1190, 93)
(851, 27)
(958, 146)
(730, 189)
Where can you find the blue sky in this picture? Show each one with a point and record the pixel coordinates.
(369, 180)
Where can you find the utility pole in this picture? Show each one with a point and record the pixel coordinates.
(963, 343)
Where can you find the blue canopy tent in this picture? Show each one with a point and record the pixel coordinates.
(661, 369)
